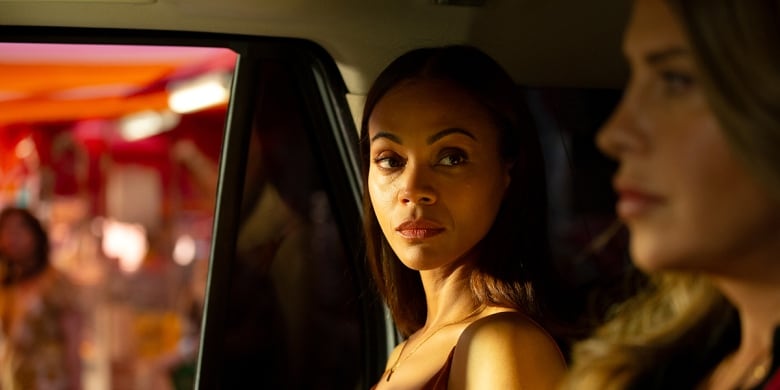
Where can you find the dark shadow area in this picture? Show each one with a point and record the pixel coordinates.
(293, 319)
(581, 202)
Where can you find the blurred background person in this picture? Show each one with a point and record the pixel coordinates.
(39, 316)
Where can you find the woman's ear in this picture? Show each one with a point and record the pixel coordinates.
(508, 174)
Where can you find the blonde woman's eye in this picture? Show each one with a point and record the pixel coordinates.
(676, 83)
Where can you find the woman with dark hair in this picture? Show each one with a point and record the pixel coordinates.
(697, 136)
(24, 246)
(39, 322)
(455, 219)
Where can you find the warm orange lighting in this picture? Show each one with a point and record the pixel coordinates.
(25, 148)
(202, 92)
(125, 242)
(147, 123)
(185, 250)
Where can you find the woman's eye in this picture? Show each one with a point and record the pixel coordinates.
(676, 83)
(388, 162)
(453, 159)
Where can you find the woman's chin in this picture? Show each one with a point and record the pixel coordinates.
(651, 259)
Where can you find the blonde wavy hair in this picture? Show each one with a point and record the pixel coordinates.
(656, 326)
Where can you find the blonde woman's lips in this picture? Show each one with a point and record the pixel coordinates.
(633, 203)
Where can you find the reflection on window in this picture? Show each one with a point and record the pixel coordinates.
(114, 149)
(293, 316)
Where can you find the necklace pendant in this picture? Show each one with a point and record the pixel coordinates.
(389, 374)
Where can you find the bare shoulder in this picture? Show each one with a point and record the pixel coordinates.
(506, 350)
(508, 326)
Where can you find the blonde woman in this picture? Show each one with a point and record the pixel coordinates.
(697, 138)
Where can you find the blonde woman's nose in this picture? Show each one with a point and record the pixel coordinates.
(622, 133)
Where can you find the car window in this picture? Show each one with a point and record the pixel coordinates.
(240, 217)
(292, 312)
(105, 144)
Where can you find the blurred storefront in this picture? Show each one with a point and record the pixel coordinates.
(115, 149)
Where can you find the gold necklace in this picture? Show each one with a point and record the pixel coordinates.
(756, 372)
(398, 360)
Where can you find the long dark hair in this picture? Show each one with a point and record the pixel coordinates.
(514, 263)
(12, 271)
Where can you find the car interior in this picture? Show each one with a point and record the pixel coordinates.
(195, 164)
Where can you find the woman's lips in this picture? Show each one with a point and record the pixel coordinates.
(633, 203)
(420, 229)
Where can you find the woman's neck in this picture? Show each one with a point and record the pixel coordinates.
(757, 303)
(448, 295)
(756, 296)
(752, 284)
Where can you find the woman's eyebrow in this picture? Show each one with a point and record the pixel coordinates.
(390, 136)
(449, 131)
(659, 56)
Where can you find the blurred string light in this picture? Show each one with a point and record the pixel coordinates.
(125, 242)
(25, 148)
(199, 93)
(184, 250)
(147, 123)
(186, 96)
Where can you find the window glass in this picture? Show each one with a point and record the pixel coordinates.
(114, 148)
(293, 316)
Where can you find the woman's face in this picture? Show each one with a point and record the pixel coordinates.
(17, 241)
(686, 199)
(436, 178)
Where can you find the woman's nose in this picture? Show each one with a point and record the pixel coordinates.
(623, 132)
(417, 187)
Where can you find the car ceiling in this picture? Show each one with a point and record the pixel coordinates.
(541, 43)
